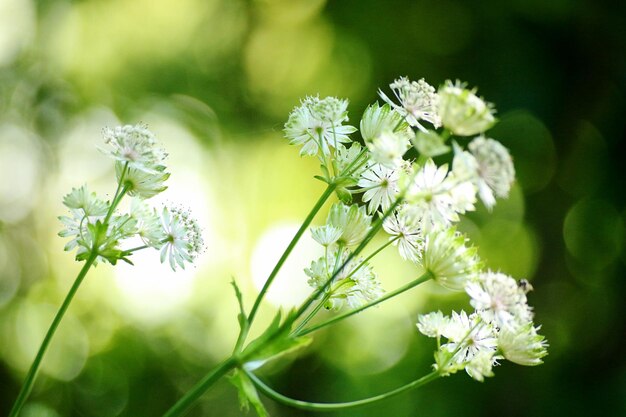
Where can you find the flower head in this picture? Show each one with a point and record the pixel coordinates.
(82, 199)
(141, 183)
(406, 233)
(149, 226)
(388, 148)
(495, 169)
(318, 124)
(432, 324)
(500, 299)
(380, 187)
(468, 336)
(522, 345)
(134, 145)
(462, 111)
(326, 235)
(355, 285)
(449, 259)
(418, 101)
(353, 222)
(183, 238)
(378, 119)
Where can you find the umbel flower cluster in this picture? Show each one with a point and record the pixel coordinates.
(98, 229)
(418, 202)
(422, 161)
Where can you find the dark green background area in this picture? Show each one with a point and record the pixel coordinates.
(556, 71)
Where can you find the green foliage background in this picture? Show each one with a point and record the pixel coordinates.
(215, 80)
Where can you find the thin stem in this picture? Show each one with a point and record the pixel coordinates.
(318, 205)
(311, 314)
(423, 278)
(32, 372)
(376, 252)
(305, 405)
(119, 193)
(327, 296)
(184, 404)
(321, 290)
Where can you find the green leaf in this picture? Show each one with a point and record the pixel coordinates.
(273, 343)
(247, 393)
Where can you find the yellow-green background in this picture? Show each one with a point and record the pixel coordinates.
(215, 80)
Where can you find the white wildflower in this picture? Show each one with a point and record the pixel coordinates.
(378, 119)
(183, 238)
(449, 259)
(353, 222)
(418, 101)
(406, 233)
(88, 202)
(352, 287)
(149, 227)
(522, 345)
(462, 111)
(432, 324)
(388, 148)
(380, 187)
(481, 365)
(134, 145)
(429, 196)
(496, 172)
(141, 183)
(467, 336)
(500, 299)
(326, 235)
(318, 124)
(430, 144)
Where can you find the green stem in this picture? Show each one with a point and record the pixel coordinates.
(312, 314)
(32, 372)
(305, 405)
(423, 278)
(318, 205)
(184, 404)
(119, 193)
(321, 290)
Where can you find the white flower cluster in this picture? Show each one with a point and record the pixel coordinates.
(355, 283)
(97, 227)
(501, 327)
(427, 200)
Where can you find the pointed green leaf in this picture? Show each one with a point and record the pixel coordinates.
(247, 393)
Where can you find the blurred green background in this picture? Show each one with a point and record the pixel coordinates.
(215, 80)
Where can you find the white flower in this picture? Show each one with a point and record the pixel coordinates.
(432, 324)
(380, 187)
(418, 101)
(462, 111)
(496, 172)
(500, 298)
(351, 286)
(467, 336)
(350, 162)
(353, 222)
(447, 257)
(378, 119)
(481, 365)
(326, 235)
(318, 124)
(134, 145)
(141, 183)
(430, 144)
(407, 234)
(149, 227)
(388, 148)
(429, 197)
(522, 345)
(88, 202)
(183, 238)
